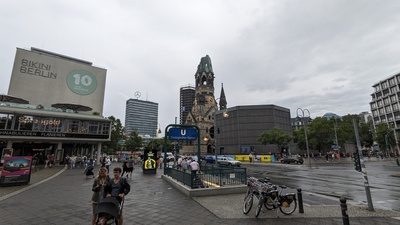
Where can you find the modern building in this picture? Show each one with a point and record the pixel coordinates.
(365, 117)
(187, 96)
(331, 115)
(299, 122)
(385, 102)
(238, 132)
(46, 78)
(141, 116)
(54, 106)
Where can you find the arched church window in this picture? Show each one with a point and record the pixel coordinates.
(204, 80)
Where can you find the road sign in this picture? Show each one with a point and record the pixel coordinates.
(182, 133)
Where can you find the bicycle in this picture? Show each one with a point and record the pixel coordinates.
(254, 186)
(273, 199)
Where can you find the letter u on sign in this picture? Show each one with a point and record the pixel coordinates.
(183, 132)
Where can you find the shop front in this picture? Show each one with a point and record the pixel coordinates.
(28, 130)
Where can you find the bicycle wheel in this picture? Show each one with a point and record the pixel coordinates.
(269, 203)
(288, 204)
(248, 203)
(259, 205)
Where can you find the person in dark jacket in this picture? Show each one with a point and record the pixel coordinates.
(117, 187)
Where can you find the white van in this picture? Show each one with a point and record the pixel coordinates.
(170, 157)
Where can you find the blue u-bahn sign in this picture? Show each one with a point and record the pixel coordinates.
(182, 133)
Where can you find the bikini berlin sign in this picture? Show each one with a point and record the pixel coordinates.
(182, 133)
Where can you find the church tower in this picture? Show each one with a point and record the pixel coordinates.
(204, 107)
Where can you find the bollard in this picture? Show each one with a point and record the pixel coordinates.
(300, 197)
(343, 206)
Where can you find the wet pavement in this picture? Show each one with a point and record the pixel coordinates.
(62, 196)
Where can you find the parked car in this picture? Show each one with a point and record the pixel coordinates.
(210, 159)
(193, 158)
(292, 159)
(227, 161)
(170, 157)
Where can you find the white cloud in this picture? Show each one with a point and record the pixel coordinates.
(320, 55)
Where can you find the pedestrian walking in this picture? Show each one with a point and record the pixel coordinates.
(185, 165)
(98, 186)
(159, 161)
(108, 164)
(130, 167)
(124, 168)
(194, 166)
(72, 161)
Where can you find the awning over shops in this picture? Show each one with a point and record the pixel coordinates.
(70, 106)
(12, 99)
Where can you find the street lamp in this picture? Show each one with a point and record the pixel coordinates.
(386, 140)
(225, 114)
(305, 128)
(159, 128)
(337, 143)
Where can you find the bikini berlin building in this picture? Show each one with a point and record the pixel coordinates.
(54, 106)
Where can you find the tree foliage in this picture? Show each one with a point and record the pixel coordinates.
(134, 142)
(380, 136)
(158, 144)
(322, 133)
(275, 136)
(117, 133)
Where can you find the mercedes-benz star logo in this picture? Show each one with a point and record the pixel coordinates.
(137, 94)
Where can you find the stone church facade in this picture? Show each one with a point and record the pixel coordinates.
(204, 108)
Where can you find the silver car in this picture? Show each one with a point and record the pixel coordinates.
(227, 161)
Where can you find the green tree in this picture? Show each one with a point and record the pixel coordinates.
(117, 133)
(134, 142)
(276, 136)
(366, 134)
(381, 131)
(158, 144)
(320, 133)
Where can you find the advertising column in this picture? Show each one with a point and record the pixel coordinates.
(150, 162)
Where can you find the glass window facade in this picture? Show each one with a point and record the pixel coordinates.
(31, 125)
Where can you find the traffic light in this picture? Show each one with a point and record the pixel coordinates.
(357, 162)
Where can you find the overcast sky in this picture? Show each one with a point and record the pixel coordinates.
(322, 55)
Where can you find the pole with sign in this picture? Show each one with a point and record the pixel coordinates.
(177, 132)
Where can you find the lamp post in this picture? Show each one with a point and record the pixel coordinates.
(387, 142)
(225, 114)
(337, 143)
(301, 115)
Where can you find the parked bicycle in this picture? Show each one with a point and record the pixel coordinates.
(269, 196)
(273, 199)
(254, 187)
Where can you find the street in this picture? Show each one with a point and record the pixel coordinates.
(337, 179)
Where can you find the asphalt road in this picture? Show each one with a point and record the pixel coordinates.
(338, 179)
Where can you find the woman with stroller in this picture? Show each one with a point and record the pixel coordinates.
(117, 187)
(98, 189)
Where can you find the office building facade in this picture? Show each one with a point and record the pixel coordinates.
(187, 96)
(46, 78)
(238, 132)
(141, 116)
(385, 102)
(32, 120)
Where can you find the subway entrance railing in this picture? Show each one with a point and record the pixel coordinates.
(209, 176)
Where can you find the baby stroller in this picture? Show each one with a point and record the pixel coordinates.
(89, 171)
(107, 211)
